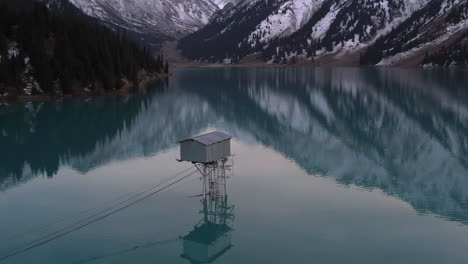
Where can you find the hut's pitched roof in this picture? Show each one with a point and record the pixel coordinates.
(210, 138)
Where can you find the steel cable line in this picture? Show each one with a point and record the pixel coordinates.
(116, 205)
(147, 245)
(60, 220)
(76, 226)
(182, 185)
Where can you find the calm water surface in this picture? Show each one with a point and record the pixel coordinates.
(331, 166)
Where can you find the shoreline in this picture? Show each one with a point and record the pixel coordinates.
(311, 65)
(128, 88)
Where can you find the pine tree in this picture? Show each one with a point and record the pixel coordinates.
(69, 51)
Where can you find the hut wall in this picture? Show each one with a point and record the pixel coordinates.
(218, 151)
(193, 151)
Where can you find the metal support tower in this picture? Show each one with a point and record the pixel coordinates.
(211, 236)
(214, 177)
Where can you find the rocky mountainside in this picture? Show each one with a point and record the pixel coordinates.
(148, 22)
(435, 30)
(168, 18)
(284, 31)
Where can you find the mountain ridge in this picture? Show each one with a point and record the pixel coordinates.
(285, 31)
(167, 18)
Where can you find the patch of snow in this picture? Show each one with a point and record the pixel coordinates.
(167, 17)
(13, 50)
(320, 28)
(289, 18)
(222, 3)
(449, 32)
(28, 80)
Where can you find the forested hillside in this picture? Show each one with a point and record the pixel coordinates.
(45, 53)
(454, 56)
(221, 37)
(434, 32)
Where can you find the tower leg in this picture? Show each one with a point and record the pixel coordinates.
(204, 176)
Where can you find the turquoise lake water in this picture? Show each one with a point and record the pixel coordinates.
(330, 165)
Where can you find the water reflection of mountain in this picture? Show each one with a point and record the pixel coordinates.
(402, 131)
(40, 137)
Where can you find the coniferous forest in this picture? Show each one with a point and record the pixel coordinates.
(45, 53)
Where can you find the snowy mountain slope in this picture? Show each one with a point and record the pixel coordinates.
(66, 8)
(455, 55)
(289, 18)
(169, 18)
(227, 29)
(362, 21)
(355, 23)
(222, 3)
(347, 26)
(387, 32)
(288, 30)
(441, 22)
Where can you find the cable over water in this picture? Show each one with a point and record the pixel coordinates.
(89, 220)
(102, 205)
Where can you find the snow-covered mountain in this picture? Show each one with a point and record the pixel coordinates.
(438, 27)
(326, 30)
(169, 18)
(352, 32)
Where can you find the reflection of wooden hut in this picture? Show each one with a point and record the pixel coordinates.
(211, 238)
(207, 242)
(206, 148)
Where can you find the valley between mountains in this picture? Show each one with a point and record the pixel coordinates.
(318, 32)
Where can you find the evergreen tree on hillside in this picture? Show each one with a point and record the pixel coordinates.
(67, 52)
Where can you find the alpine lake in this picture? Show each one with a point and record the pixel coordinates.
(329, 165)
